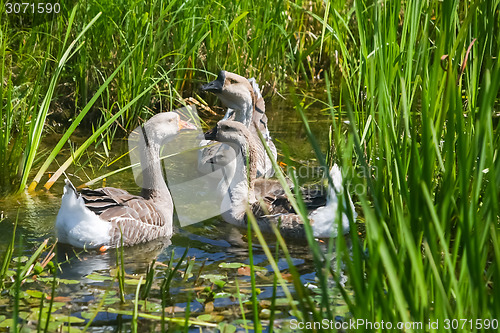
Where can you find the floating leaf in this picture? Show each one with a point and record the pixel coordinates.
(35, 293)
(210, 317)
(22, 294)
(57, 305)
(283, 302)
(6, 323)
(66, 281)
(259, 268)
(222, 295)
(70, 329)
(152, 307)
(87, 314)
(243, 322)
(97, 277)
(216, 279)
(134, 282)
(20, 259)
(67, 319)
(213, 277)
(230, 265)
(55, 326)
(219, 283)
(111, 300)
(226, 328)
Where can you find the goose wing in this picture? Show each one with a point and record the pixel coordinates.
(275, 198)
(274, 207)
(137, 219)
(259, 124)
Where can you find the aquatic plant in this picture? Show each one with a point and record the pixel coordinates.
(414, 125)
(419, 90)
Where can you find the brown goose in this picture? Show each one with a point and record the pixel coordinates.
(245, 105)
(266, 197)
(98, 218)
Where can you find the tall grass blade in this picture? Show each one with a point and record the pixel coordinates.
(37, 126)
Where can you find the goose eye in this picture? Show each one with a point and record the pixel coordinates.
(232, 81)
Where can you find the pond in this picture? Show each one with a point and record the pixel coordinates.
(212, 282)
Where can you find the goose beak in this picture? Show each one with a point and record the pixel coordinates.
(211, 134)
(184, 125)
(216, 85)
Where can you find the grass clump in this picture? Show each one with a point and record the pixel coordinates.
(420, 92)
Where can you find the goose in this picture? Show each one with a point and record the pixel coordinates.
(245, 105)
(103, 218)
(266, 198)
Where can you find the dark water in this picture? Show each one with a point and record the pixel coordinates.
(209, 243)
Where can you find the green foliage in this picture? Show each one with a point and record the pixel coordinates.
(418, 83)
(169, 46)
(420, 88)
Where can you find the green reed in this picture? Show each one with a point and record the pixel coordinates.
(167, 45)
(422, 139)
(421, 94)
(423, 131)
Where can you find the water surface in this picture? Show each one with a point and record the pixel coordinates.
(209, 244)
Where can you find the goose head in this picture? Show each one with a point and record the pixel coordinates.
(236, 92)
(146, 144)
(231, 132)
(238, 136)
(163, 126)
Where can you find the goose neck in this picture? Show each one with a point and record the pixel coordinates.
(238, 186)
(153, 183)
(246, 112)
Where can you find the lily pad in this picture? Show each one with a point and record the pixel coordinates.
(210, 318)
(6, 323)
(213, 277)
(152, 307)
(36, 293)
(222, 295)
(70, 329)
(231, 265)
(97, 277)
(67, 319)
(66, 281)
(216, 279)
(226, 328)
(134, 282)
(87, 314)
(20, 259)
(243, 322)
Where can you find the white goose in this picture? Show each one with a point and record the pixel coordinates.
(100, 218)
(266, 198)
(245, 105)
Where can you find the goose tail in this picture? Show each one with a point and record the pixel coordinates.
(70, 187)
(324, 218)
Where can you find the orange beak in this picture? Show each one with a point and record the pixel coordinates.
(184, 125)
